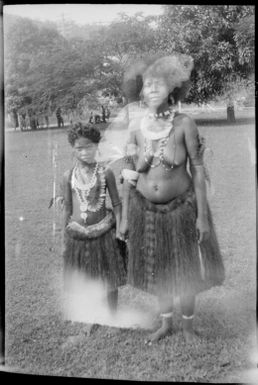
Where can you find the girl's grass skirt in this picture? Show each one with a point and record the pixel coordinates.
(164, 256)
(98, 258)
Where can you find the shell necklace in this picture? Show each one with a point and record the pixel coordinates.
(149, 136)
(83, 188)
(159, 153)
(157, 126)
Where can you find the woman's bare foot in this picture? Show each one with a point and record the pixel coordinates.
(163, 331)
(190, 336)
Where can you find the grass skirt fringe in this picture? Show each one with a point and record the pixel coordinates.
(163, 248)
(98, 258)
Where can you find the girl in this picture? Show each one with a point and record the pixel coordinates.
(89, 228)
(173, 249)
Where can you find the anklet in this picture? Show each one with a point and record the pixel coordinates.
(166, 315)
(188, 317)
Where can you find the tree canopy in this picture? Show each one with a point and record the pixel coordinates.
(213, 36)
(45, 68)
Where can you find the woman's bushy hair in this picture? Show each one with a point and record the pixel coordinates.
(79, 130)
(175, 69)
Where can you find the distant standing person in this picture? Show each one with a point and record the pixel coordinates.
(231, 111)
(103, 114)
(107, 113)
(91, 117)
(60, 120)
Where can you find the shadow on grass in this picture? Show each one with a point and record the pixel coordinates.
(224, 122)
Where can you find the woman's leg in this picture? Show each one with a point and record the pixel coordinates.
(165, 308)
(187, 309)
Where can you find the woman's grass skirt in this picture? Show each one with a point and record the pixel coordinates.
(164, 257)
(98, 258)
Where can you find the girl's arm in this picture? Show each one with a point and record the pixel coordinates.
(67, 199)
(124, 221)
(129, 181)
(114, 196)
(194, 147)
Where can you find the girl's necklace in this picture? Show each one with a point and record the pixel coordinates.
(79, 179)
(83, 189)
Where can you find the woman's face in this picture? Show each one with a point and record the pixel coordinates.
(85, 150)
(155, 91)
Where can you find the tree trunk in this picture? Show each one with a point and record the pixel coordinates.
(15, 119)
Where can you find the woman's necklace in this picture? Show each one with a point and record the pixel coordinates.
(157, 126)
(149, 136)
(83, 188)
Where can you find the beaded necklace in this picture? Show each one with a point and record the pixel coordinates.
(83, 188)
(157, 126)
(159, 153)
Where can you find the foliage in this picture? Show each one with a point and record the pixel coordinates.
(123, 40)
(211, 35)
(46, 68)
(244, 38)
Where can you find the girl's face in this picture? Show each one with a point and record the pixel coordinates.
(85, 150)
(155, 91)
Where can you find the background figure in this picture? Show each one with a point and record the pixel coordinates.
(47, 120)
(60, 120)
(23, 121)
(231, 111)
(91, 117)
(97, 118)
(107, 112)
(103, 114)
(33, 121)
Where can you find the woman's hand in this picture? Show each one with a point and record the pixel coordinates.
(203, 229)
(123, 229)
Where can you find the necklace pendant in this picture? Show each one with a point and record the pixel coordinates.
(84, 216)
(84, 206)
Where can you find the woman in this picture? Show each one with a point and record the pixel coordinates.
(173, 249)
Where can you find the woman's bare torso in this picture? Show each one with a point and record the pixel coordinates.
(158, 184)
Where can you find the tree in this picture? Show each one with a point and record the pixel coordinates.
(24, 42)
(44, 70)
(124, 39)
(211, 35)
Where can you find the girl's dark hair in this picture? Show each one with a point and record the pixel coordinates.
(88, 131)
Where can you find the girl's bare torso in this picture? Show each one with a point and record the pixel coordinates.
(92, 217)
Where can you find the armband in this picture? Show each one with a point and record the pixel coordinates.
(116, 203)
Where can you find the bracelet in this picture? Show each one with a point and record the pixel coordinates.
(188, 317)
(116, 204)
(77, 231)
(166, 315)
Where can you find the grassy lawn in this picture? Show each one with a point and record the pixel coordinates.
(39, 341)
